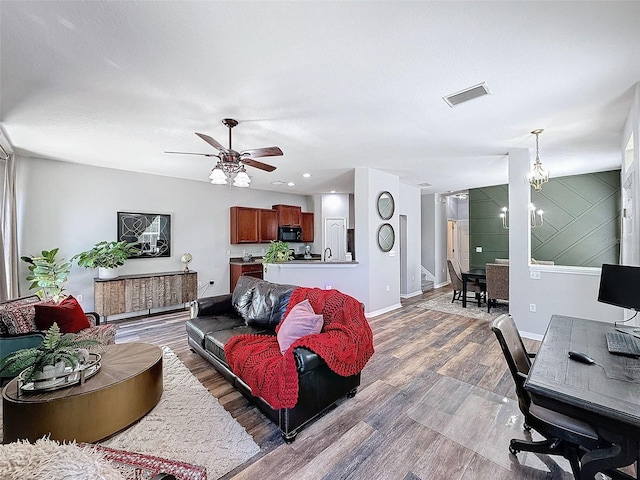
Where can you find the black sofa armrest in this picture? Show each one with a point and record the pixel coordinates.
(306, 359)
(94, 316)
(209, 306)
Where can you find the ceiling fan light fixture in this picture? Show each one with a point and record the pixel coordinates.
(217, 176)
(242, 179)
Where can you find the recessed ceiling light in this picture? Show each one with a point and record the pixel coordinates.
(332, 191)
(306, 175)
(291, 184)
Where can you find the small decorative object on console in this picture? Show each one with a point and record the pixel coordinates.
(186, 258)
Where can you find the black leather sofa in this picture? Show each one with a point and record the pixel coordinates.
(256, 307)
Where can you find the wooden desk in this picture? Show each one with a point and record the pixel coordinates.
(605, 394)
(473, 274)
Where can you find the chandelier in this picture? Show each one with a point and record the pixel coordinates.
(537, 175)
(536, 218)
(229, 168)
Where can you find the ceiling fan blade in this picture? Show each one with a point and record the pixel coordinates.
(256, 164)
(211, 141)
(263, 152)
(192, 153)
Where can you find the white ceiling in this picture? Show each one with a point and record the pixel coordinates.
(336, 85)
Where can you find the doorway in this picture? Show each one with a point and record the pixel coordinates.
(335, 237)
(458, 242)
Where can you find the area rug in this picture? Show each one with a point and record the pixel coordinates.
(483, 422)
(442, 303)
(186, 432)
(188, 424)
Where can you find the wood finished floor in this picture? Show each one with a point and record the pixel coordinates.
(371, 436)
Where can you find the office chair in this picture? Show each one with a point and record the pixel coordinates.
(565, 436)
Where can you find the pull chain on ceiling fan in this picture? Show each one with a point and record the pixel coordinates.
(231, 163)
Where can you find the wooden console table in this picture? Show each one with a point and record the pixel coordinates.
(133, 293)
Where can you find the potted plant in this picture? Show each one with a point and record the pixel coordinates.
(47, 274)
(106, 257)
(277, 252)
(46, 363)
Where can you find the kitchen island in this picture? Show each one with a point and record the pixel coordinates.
(340, 275)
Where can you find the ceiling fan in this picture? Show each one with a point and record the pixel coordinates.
(232, 162)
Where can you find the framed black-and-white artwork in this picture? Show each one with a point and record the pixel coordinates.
(151, 231)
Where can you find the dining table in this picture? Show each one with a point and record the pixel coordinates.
(477, 274)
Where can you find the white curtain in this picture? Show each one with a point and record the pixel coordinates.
(8, 229)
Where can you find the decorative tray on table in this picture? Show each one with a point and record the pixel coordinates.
(68, 379)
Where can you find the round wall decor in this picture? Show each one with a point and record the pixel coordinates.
(386, 237)
(385, 205)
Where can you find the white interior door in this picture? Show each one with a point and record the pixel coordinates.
(463, 243)
(335, 237)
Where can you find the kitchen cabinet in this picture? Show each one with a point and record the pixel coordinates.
(307, 227)
(132, 293)
(253, 225)
(288, 215)
(268, 225)
(245, 268)
(245, 225)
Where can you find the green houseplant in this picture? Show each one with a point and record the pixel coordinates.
(278, 252)
(48, 275)
(57, 349)
(106, 255)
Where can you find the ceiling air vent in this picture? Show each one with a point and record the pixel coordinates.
(467, 94)
(424, 185)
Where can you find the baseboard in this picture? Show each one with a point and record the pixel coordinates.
(412, 294)
(375, 313)
(531, 336)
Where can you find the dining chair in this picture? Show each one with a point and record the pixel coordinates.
(497, 283)
(455, 274)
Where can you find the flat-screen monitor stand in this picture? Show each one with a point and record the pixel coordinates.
(631, 330)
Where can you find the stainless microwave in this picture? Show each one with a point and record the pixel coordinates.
(290, 234)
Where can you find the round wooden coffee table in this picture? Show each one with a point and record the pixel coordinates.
(127, 387)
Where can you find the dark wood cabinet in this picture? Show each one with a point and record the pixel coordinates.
(237, 269)
(245, 225)
(132, 293)
(253, 225)
(260, 225)
(268, 225)
(288, 215)
(307, 227)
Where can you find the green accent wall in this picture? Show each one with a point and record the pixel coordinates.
(582, 215)
(485, 225)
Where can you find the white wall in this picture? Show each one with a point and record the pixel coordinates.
(380, 270)
(571, 291)
(74, 206)
(440, 250)
(630, 179)
(409, 206)
(434, 213)
(427, 214)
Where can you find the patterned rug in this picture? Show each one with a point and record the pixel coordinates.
(187, 432)
(188, 424)
(443, 303)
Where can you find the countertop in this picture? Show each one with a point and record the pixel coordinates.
(315, 260)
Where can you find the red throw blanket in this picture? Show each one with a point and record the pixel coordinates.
(345, 343)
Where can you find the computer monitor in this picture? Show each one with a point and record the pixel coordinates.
(620, 286)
